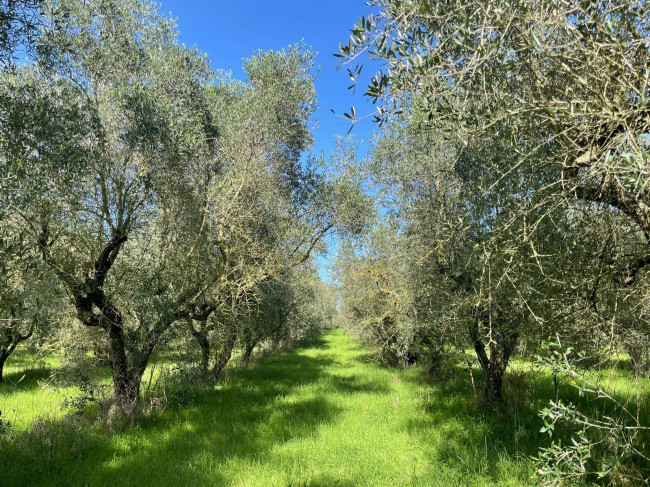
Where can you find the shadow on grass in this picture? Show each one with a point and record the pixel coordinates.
(32, 376)
(24, 380)
(243, 419)
(241, 423)
(357, 385)
(478, 436)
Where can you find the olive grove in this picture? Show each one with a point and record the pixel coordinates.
(513, 162)
(152, 204)
(155, 192)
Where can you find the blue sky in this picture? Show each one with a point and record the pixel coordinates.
(229, 31)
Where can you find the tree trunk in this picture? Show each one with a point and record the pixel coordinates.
(248, 352)
(123, 390)
(436, 353)
(3, 359)
(435, 357)
(89, 295)
(204, 344)
(126, 390)
(205, 354)
(494, 373)
(502, 344)
(127, 379)
(223, 356)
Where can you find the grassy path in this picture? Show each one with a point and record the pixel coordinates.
(315, 416)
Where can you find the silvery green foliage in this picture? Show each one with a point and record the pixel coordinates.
(544, 106)
(155, 190)
(607, 444)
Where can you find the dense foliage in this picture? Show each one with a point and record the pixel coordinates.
(151, 205)
(155, 192)
(513, 165)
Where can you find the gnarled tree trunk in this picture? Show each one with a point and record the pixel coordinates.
(225, 353)
(204, 345)
(128, 370)
(436, 347)
(502, 342)
(89, 296)
(248, 352)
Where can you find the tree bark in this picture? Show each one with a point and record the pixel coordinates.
(3, 359)
(479, 347)
(204, 344)
(127, 378)
(122, 390)
(494, 373)
(501, 345)
(248, 352)
(435, 357)
(223, 355)
(436, 352)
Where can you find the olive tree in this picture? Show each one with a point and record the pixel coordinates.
(378, 296)
(290, 310)
(564, 84)
(105, 232)
(38, 150)
(561, 88)
(268, 211)
(32, 301)
(261, 210)
(434, 274)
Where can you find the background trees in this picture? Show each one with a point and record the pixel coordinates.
(436, 275)
(544, 107)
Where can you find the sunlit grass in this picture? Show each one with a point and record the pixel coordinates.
(25, 395)
(321, 415)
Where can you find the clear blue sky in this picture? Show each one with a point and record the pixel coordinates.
(229, 31)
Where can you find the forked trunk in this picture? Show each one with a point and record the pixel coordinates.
(501, 345)
(127, 388)
(88, 296)
(127, 377)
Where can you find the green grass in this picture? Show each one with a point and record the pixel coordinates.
(316, 416)
(25, 395)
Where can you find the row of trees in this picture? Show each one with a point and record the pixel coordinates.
(513, 170)
(146, 192)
